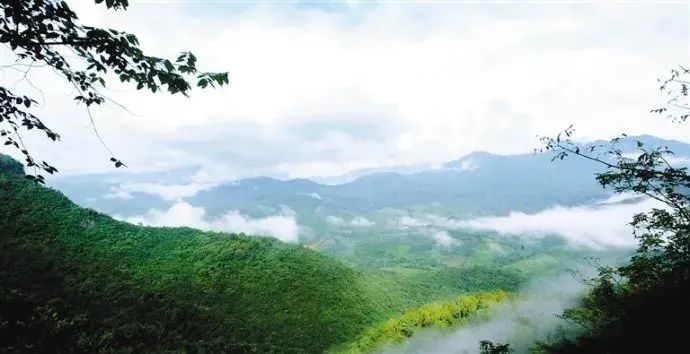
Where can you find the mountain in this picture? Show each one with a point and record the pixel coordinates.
(496, 184)
(629, 144)
(479, 183)
(75, 280)
(351, 176)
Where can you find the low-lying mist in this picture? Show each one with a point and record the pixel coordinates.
(281, 226)
(170, 192)
(594, 226)
(521, 322)
(598, 225)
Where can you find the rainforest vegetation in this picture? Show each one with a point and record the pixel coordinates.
(74, 280)
(443, 315)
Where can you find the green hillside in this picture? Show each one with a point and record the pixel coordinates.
(441, 315)
(74, 280)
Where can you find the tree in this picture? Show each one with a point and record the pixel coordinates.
(663, 233)
(488, 347)
(635, 306)
(9, 165)
(48, 33)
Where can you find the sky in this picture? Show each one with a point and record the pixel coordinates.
(325, 88)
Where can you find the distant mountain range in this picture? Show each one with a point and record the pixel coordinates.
(479, 183)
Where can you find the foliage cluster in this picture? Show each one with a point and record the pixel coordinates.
(417, 287)
(73, 280)
(10, 166)
(442, 315)
(488, 347)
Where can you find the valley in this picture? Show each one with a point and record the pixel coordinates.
(354, 262)
(344, 177)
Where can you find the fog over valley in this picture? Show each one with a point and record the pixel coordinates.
(283, 227)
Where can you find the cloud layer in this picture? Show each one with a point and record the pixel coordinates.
(444, 240)
(165, 191)
(592, 226)
(358, 221)
(283, 227)
(322, 90)
(602, 224)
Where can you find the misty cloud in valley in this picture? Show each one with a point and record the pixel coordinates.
(282, 226)
(598, 225)
(521, 322)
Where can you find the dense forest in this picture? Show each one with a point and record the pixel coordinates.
(74, 280)
(442, 315)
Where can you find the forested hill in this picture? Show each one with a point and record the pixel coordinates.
(74, 280)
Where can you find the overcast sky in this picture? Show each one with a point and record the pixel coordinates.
(322, 88)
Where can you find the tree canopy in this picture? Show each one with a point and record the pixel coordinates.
(48, 33)
(73, 280)
(638, 307)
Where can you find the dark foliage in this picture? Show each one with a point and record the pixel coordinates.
(488, 347)
(10, 166)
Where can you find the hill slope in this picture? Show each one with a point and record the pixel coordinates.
(74, 280)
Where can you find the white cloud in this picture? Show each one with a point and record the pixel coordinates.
(116, 193)
(334, 220)
(179, 214)
(468, 165)
(406, 221)
(443, 239)
(358, 221)
(286, 210)
(319, 92)
(165, 191)
(605, 223)
(361, 221)
(592, 226)
(314, 195)
(620, 198)
(283, 227)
